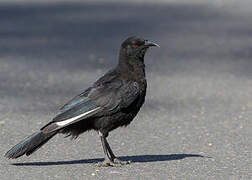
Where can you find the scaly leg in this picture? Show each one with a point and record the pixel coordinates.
(109, 157)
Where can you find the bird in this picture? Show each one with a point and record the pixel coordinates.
(112, 101)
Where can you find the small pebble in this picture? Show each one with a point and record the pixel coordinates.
(2, 122)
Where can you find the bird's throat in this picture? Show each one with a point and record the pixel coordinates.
(131, 67)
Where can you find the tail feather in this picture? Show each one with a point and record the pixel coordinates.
(29, 145)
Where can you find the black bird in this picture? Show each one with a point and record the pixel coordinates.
(112, 101)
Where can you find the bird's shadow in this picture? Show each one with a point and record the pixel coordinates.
(133, 159)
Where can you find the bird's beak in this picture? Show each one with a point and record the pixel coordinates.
(149, 43)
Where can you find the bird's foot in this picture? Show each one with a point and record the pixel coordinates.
(107, 163)
(115, 163)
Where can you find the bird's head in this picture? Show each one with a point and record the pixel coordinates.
(136, 47)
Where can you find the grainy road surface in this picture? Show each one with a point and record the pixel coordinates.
(196, 122)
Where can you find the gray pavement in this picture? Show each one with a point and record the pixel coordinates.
(196, 122)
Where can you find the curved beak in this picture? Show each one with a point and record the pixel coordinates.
(149, 43)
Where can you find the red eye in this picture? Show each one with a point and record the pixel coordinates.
(135, 45)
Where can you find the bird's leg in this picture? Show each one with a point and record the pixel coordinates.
(112, 155)
(109, 159)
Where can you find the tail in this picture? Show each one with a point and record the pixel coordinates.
(29, 145)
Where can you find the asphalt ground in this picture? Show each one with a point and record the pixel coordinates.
(196, 121)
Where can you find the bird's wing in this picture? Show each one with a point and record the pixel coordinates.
(78, 108)
(102, 99)
(120, 93)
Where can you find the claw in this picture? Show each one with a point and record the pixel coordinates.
(115, 163)
(104, 163)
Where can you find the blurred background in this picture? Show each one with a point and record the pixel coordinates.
(199, 99)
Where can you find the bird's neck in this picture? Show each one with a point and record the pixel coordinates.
(131, 66)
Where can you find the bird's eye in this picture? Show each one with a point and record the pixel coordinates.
(134, 45)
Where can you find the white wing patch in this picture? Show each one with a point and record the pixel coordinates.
(68, 121)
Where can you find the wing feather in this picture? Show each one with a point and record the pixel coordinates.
(104, 97)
